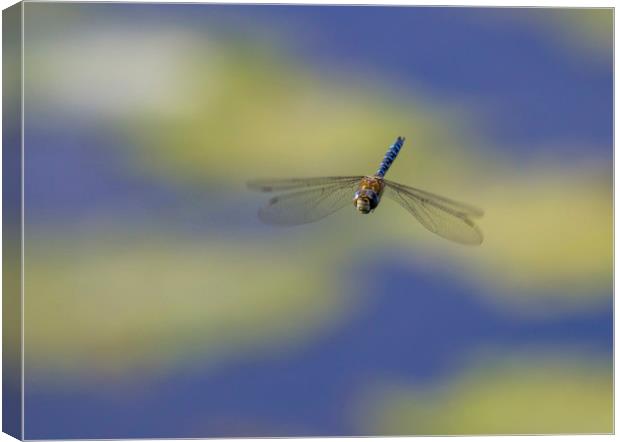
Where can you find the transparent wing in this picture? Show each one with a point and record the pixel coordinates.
(306, 206)
(437, 215)
(436, 200)
(270, 185)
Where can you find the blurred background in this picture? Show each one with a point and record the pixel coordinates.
(157, 304)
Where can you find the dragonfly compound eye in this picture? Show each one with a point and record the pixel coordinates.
(366, 200)
(362, 204)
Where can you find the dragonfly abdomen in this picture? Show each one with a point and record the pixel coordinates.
(390, 156)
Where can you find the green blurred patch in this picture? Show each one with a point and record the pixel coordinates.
(545, 394)
(552, 231)
(259, 114)
(548, 234)
(102, 305)
(590, 29)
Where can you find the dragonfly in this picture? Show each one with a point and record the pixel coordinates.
(305, 200)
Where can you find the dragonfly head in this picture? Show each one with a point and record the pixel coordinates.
(365, 200)
(362, 205)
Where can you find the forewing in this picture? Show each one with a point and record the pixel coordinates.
(439, 201)
(307, 206)
(284, 184)
(448, 223)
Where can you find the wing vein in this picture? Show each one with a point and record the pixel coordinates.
(305, 206)
(438, 218)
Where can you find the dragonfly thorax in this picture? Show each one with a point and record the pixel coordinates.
(368, 194)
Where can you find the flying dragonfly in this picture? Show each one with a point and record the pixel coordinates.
(310, 199)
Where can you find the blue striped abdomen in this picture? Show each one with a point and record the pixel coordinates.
(390, 156)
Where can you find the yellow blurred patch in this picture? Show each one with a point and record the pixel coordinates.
(590, 29)
(532, 395)
(100, 306)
